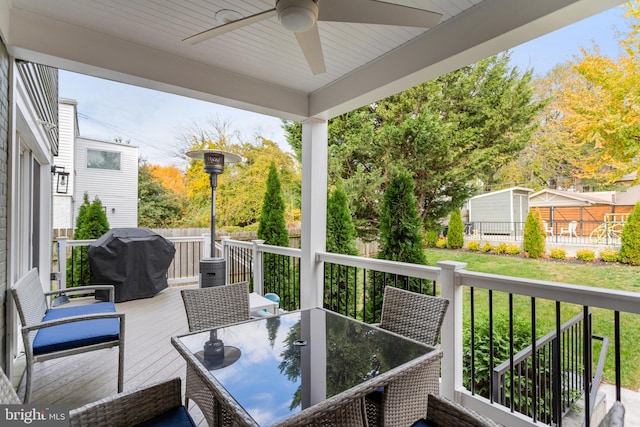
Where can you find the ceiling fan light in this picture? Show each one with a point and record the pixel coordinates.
(299, 18)
(224, 16)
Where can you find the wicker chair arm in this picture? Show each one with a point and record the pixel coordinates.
(84, 290)
(129, 408)
(443, 412)
(72, 319)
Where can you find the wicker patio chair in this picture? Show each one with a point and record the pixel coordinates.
(50, 333)
(442, 412)
(414, 316)
(160, 403)
(208, 308)
(8, 395)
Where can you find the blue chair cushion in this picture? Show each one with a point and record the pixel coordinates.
(422, 423)
(175, 417)
(76, 334)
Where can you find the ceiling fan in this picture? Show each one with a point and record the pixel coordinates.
(301, 16)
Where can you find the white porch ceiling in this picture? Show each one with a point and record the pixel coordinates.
(261, 67)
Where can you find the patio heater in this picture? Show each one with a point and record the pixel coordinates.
(213, 269)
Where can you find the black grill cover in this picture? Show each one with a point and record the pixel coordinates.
(135, 260)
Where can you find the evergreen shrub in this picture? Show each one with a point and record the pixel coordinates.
(473, 245)
(609, 255)
(558, 253)
(487, 247)
(455, 234)
(585, 255)
(441, 243)
(430, 238)
(502, 248)
(630, 249)
(534, 238)
(513, 249)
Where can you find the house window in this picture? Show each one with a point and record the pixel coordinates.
(99, 159)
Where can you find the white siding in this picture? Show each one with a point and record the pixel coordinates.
(67, 131)
(116, 189)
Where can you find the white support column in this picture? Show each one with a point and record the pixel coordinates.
(206, 250)
(62, 262)
(314, 210)
(226, 254)
(451, 368)
(258, 275)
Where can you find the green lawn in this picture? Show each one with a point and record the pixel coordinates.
(612, 276)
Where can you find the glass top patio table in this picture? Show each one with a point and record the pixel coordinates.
(277, 366)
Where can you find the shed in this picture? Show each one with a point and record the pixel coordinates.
(505, 209)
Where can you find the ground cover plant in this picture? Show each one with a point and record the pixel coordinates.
(613, 276)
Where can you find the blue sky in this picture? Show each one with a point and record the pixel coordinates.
(154, 120)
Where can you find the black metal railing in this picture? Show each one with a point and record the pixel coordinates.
(281, 275)
(528, 377)
(358, 292)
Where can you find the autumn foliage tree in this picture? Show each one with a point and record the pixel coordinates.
(600, 106)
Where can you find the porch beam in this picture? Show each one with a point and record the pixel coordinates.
(314, 211)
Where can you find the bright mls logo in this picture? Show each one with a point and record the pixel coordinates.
(34, 415)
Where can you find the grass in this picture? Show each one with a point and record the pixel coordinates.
(610, 276)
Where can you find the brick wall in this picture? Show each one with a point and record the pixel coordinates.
(4, 149)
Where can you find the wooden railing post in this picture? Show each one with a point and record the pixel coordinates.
(451, 371)
(258, 275)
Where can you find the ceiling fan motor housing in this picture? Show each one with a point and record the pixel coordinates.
(297, 15)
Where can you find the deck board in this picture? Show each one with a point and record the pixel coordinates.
(149, 357)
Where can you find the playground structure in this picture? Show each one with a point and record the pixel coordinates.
(610, 230)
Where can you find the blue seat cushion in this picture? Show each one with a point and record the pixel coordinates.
(76, 334)
(174, 417)
(422, 423)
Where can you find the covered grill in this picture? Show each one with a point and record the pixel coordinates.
(135, 260)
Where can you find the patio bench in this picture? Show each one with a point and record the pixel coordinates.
(50, 333)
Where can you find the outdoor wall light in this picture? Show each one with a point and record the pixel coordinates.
(213, 270)
(62, 179)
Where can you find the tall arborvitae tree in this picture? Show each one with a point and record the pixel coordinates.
(455, 233)
(534, 235)
(630, 249)
(400, 239)
(279, 276)
(340, 295)
(91, 223)
(272, 228)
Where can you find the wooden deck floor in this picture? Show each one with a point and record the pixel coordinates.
(149, 357)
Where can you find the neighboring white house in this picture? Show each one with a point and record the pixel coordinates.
(102, 169)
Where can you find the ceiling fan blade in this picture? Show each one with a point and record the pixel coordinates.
(233, 25)
(376, 12)
(309, 42)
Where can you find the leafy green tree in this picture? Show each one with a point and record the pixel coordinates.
(449, 133)
(157, 206)
(534, 235)
(91, 223)
(630, 248)
(400, 237)
(340, 296)
(455, 234)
